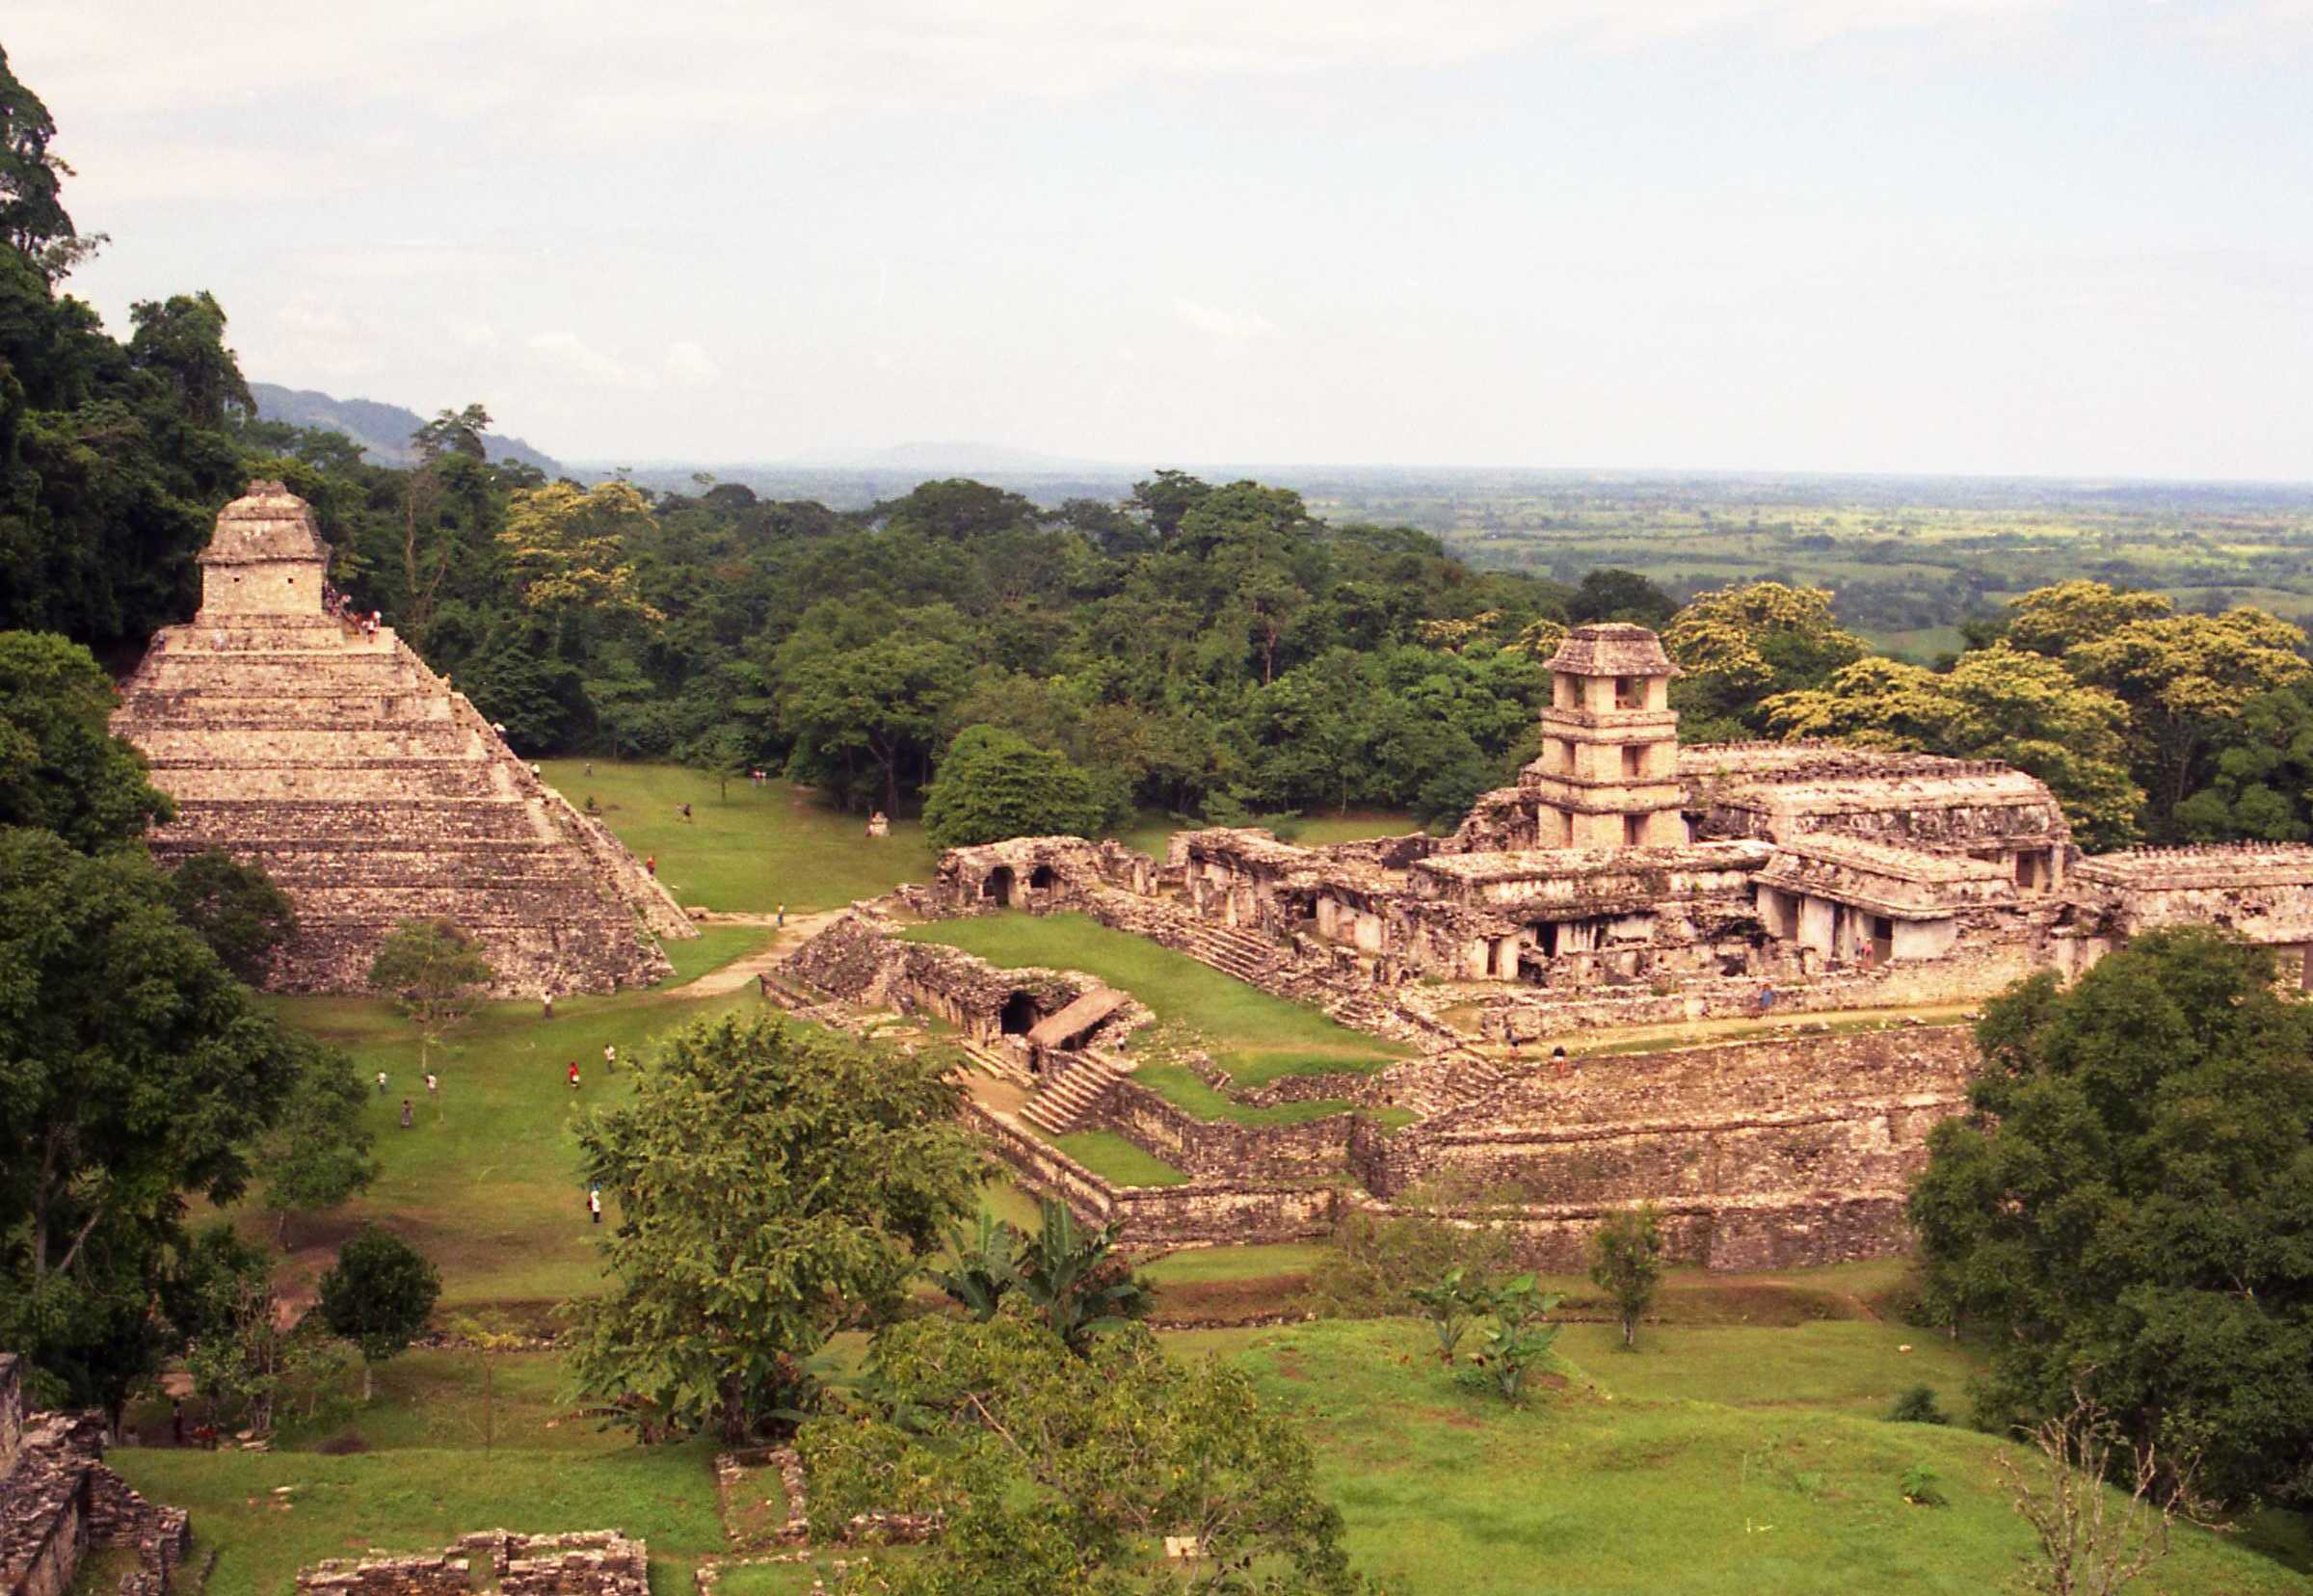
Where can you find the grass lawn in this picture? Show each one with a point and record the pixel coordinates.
(1252, 1035)
(1195, 1266)
(422, 1498)
(715, 947)
(1184, 1089)
(485, 1182)
(750, 850)
(1712, 1460)
(1734, 1459)
(1119, 1161)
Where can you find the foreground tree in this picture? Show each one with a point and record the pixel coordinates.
(1626, 1263)
(2129, 1205)
(378, 1295)
(1048, 1471)
(995, 783)
(436, 972)
(135, 1072)
(235, 908)
(773, 1184)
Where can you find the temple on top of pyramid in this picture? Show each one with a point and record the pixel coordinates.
(299, 738)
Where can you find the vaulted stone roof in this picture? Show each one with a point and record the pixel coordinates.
(268, 524)
(1612, 649)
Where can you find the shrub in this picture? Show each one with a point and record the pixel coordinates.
(1918, 1406)
(1919, 1487)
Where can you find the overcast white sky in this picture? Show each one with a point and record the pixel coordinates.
(2031, 236)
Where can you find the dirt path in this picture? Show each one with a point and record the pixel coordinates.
(741, 973)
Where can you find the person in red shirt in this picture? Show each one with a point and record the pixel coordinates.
(573, 1075)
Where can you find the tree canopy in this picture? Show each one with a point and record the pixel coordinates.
(834, 1169)
(135, 1072)
(2128, 1204)
(1050, 1471)
(994, 784)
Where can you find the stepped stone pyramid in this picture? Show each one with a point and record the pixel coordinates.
(370, 791)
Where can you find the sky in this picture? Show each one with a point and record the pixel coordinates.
(2041, 237)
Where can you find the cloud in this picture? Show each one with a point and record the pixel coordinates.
(1223, 323)
(598, 68)
(574, 356)
(687, 366)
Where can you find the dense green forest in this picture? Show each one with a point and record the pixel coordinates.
(1212, 648)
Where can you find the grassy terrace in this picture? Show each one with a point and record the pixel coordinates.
(750, 850)
(485, 1182)
(1254, 1036)
(1118, 1161)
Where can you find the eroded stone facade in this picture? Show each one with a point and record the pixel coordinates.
(321, 747)
(58, 1503)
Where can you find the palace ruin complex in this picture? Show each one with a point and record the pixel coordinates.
(1626, 886)
(300, 738)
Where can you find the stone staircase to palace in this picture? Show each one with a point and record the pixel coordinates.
(1063, 1100)
(1232, 952)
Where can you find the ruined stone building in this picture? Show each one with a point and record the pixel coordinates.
(58, 1503)
(322, 748)
(1625, 889)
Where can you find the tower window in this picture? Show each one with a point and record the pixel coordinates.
(1634, 831)
(1634, 761)
(1630, 692)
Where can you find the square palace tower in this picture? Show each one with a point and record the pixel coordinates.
(1609, 774)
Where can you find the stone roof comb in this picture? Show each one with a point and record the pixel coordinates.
(265, 526)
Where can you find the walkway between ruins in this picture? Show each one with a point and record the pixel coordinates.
(741, 973)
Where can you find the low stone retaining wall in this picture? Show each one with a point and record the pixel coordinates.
(1220, 1149)
(1201, 1212)
(593, 1562)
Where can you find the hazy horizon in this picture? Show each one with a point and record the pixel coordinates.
(1951, 238)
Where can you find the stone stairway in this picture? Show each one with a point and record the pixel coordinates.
(1443, 1082)
(1063, 1100)
(1232, 952)
(995, 1061)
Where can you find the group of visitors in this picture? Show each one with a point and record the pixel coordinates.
(336, 604)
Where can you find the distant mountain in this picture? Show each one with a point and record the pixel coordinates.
(382, 430)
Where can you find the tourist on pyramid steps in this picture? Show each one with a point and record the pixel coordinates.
(594, 1202)
(610, 1058)
(573, 1075)
(1558, 1061)
(407, 1119)
(381, 1083)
